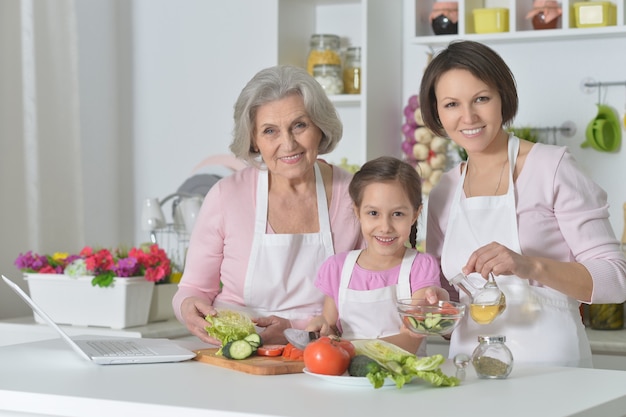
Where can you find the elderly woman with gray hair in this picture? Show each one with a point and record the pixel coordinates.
(262, 232)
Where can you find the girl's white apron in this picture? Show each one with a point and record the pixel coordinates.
(372, 314)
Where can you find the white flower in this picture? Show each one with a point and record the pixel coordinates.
(76, 269)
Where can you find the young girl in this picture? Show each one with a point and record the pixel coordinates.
(362, 286)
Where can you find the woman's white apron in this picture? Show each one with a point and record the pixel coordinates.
(541, 325)
(282, 267)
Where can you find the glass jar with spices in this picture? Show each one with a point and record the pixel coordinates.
(324, 49)
(329, 77)
(352, 71)
(492, 359)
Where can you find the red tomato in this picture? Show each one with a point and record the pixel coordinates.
(270, 350)
(327, 356)
(347, 346)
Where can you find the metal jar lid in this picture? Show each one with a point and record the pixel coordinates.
(492, 339)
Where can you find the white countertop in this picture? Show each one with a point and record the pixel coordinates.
(612, 342)
(25, 329)
(47, 378)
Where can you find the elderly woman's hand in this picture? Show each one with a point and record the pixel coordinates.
(194, 310)
(273, 327)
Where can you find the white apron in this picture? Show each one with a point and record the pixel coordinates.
(282, 267)
(372, 314)
(541, 325)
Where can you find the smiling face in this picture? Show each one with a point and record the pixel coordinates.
(470, 110)
(286, 137)
(386, 215)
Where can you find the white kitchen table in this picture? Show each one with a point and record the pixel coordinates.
(46, 378)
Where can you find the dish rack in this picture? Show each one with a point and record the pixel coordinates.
(173, 238)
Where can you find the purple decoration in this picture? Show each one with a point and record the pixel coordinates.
(408, 131)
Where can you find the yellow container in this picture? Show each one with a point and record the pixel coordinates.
(490, 20)
(589, 14)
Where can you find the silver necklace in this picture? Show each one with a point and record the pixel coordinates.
(469, 188)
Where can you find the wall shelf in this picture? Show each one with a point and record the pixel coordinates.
(521, 30)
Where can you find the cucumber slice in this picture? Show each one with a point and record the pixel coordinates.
(237, 349)
(413, 321)
(254, 339)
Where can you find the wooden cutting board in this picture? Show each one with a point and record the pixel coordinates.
(258, 365)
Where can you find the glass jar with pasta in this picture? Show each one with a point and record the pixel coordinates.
(324, 49)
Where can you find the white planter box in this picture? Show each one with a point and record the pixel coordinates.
(75, 301)
(161, 306)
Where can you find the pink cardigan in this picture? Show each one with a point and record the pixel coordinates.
(561, 214)
(222, 236)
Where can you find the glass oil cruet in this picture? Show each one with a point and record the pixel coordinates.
(486, 303)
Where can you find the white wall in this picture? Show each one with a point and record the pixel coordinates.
(104, 60)
(192, 58)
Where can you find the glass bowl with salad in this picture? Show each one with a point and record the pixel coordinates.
(422, 317)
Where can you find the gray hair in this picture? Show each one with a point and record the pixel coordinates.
(275, 83)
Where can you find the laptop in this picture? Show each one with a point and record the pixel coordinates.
(117, 350)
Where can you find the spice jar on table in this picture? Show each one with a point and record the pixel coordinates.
(492, 359)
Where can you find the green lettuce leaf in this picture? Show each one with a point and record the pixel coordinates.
(229, 325)
(402, 366)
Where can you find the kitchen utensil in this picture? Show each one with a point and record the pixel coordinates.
(300, 338)
(346, 379)
(461, 360)
(189, 208)
(603, 132)
(486, 303)
(422, 317)
(152, 216)
(257, 365)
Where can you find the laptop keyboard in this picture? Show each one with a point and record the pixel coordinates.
(119, 348)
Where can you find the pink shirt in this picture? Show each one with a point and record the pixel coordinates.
(424, 273)
(561, 214)
(221, 241)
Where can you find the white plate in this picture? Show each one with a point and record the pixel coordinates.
(359, 381)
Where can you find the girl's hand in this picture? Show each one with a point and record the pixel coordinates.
(319, 324)
(434, 294)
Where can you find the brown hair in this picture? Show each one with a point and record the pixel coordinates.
(483, 63)
(388, 169)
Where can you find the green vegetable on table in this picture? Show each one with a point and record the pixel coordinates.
(361, 365)
(238, 349)
(431, 322)
(228, 326)
(402, 366)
